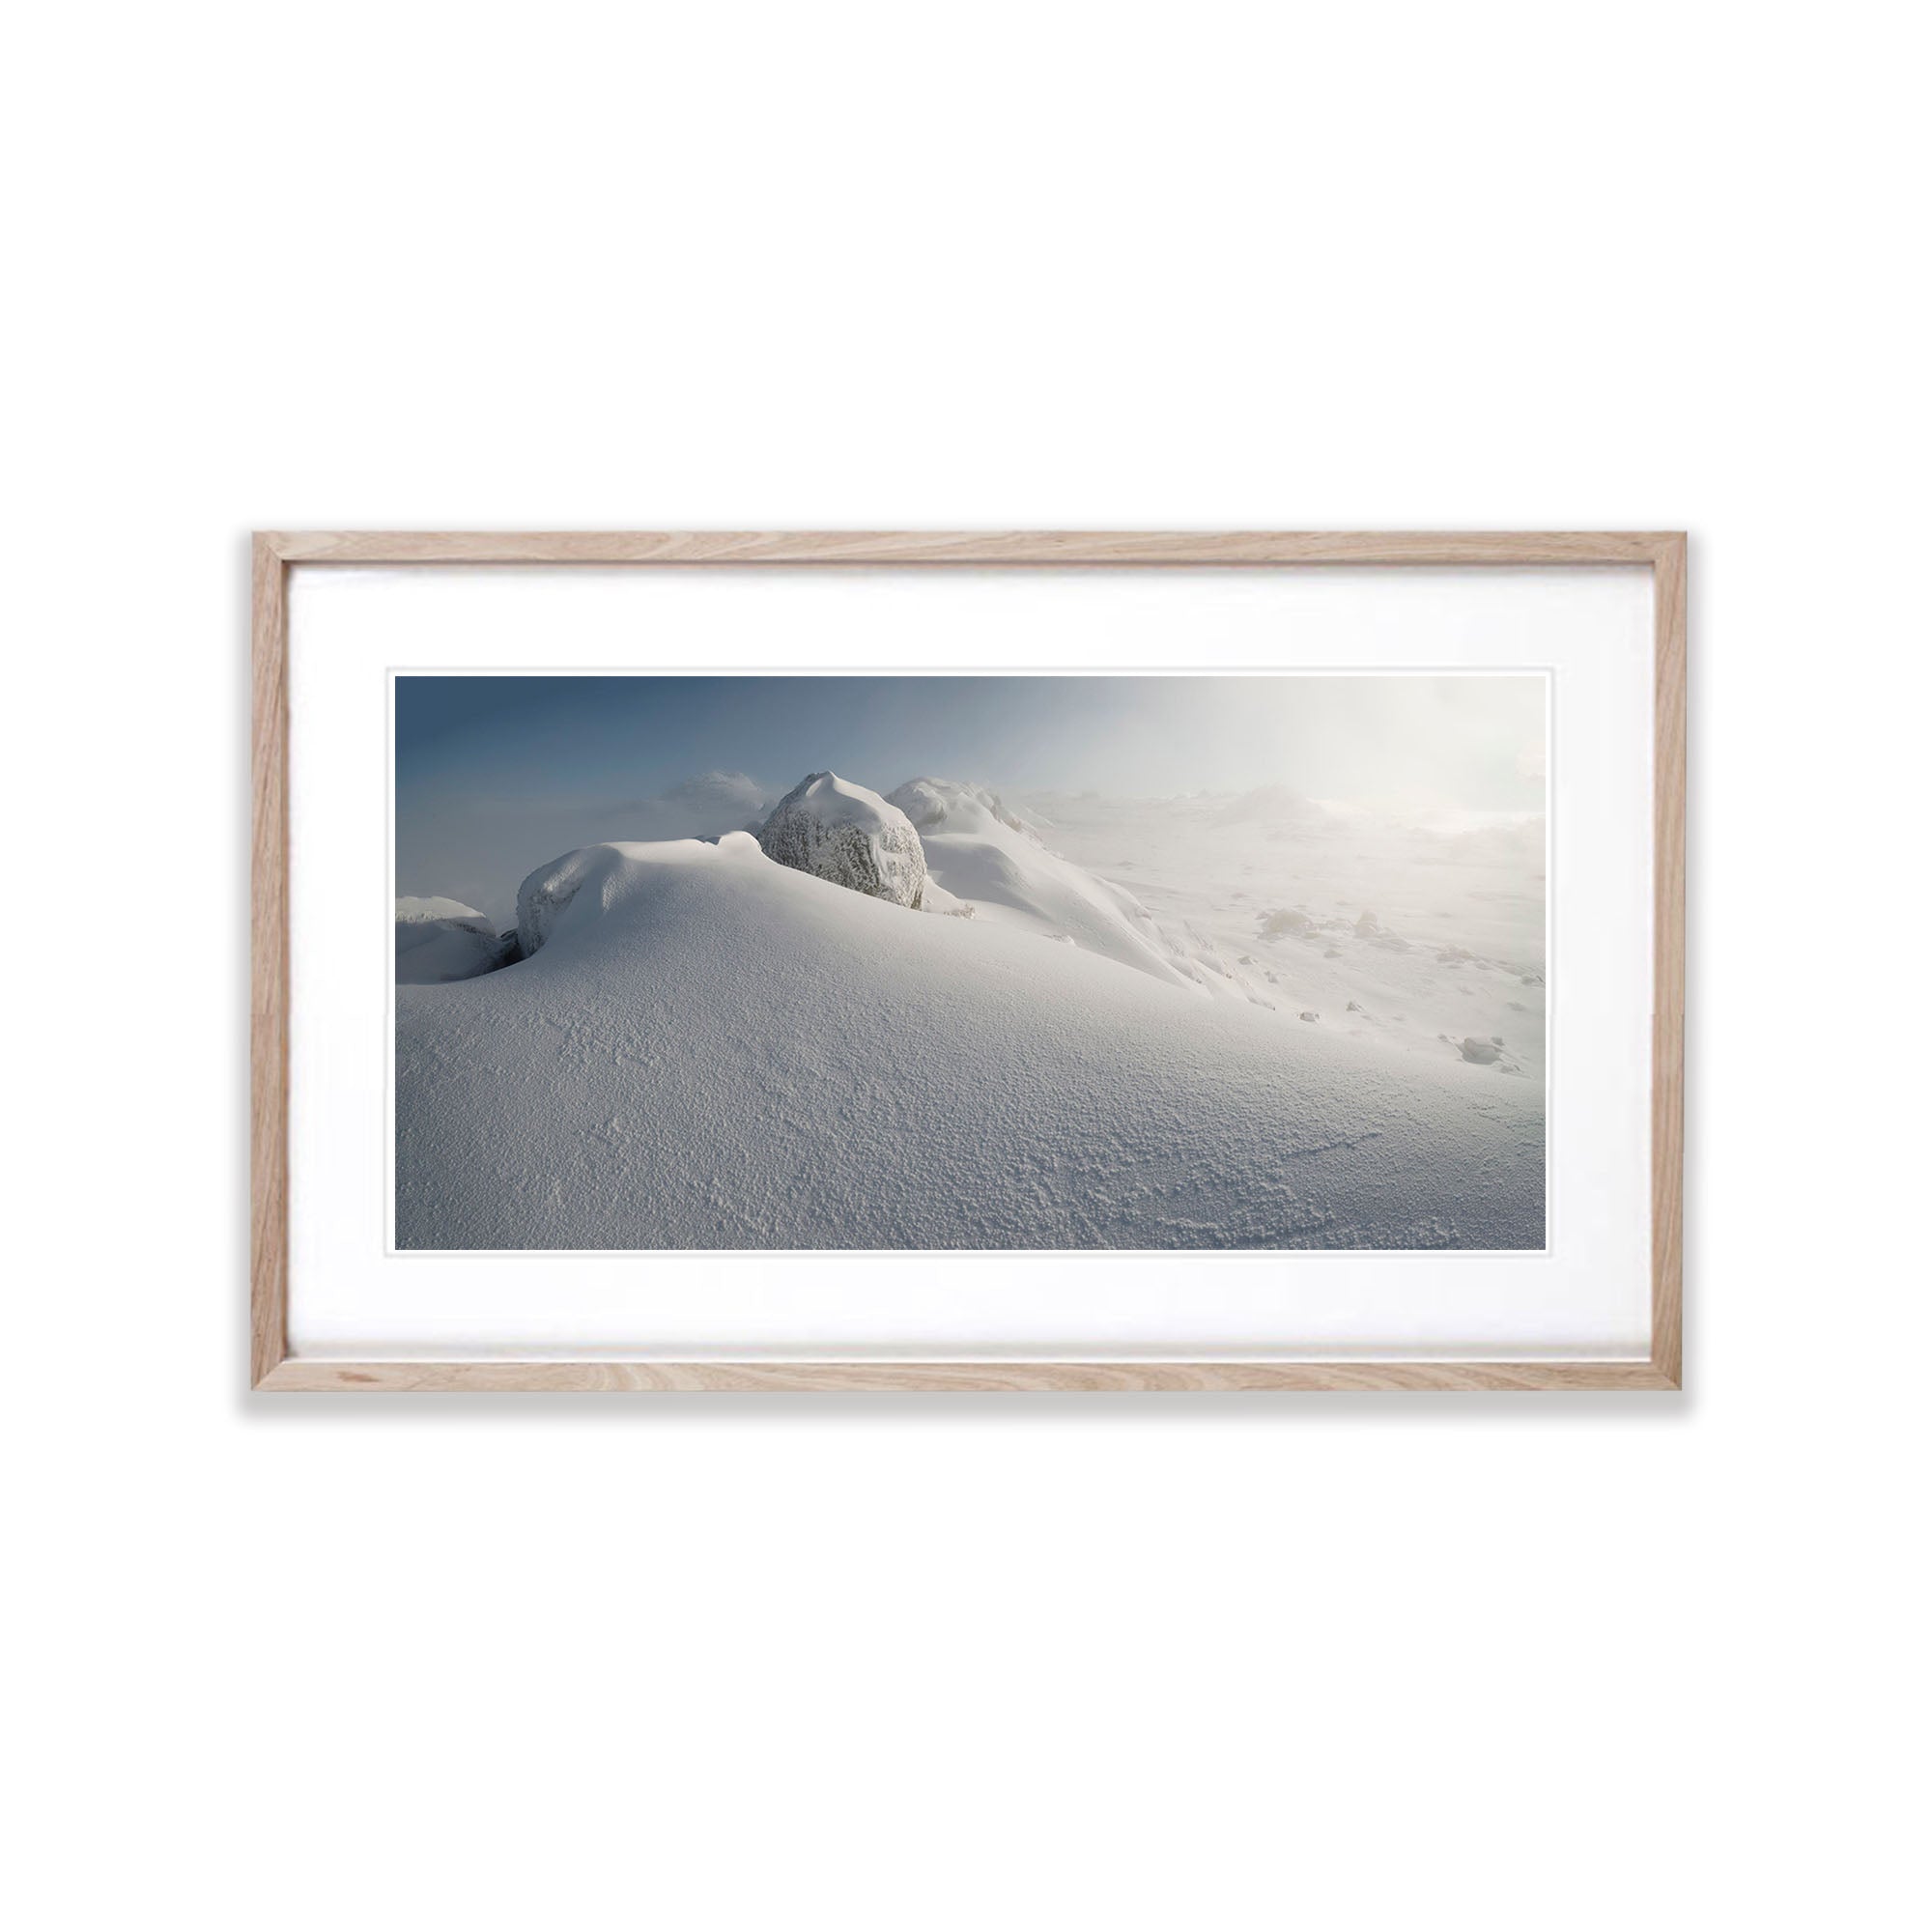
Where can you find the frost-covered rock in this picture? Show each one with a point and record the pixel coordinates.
(842, 832)
(439, 940)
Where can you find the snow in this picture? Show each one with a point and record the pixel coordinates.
(936, 898)
(842, 832)
(707, 1049)
(1431, 924)
(439, 940)
(1270, 805)
(478, 842)
(414, 909)
(943, 805)
(980, 852)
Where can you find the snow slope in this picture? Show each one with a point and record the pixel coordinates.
(1412, 931)
(980, 851)
(439, 940)
(714, 1050)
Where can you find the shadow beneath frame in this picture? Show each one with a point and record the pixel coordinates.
(1277, 1410)
(1401, 1410)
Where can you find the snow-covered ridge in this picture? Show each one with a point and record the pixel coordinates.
(707, 1049)
(944, 805)
(441, 940)
(1258, 898)
(997, 860)
(410, 911)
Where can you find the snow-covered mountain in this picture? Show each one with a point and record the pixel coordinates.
(714, 1050)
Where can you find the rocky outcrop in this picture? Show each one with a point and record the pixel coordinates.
(842, 832)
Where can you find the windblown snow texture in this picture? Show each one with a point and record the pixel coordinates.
(710, 1050)
(981, 852)
(842, 832)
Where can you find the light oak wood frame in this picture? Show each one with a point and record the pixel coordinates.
(273, 1367)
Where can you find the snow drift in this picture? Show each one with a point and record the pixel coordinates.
(980, 851)
(710, 1050)
(1409, 930)
(439, 940)
(842, 832)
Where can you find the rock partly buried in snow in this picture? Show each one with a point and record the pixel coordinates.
(839, 830)
(1275, 923)
(441, 940)
(1481, 1053)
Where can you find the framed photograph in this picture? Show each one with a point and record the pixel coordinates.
(1026, 961)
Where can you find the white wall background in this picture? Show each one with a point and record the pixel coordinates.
(964, 1663)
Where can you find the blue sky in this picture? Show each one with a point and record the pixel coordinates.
(495, 775)
(1458, 740)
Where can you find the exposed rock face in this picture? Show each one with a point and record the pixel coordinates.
(842, 832)
(441, 940)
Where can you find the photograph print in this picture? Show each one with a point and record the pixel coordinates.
(970, 962)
